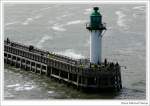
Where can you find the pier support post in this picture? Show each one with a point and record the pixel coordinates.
(30, 66)
(46, 71)
(51, 69)
(59, 76)
(40, 69)
(35, 68)
(68, 75)
(97, 82)
(6, 58)
(20, 63)
(11, 60)
(25, 64)
(78, 81)
(16, 62)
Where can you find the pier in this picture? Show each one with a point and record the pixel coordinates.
(80, 73)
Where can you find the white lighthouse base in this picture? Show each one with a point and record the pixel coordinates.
(95, 47)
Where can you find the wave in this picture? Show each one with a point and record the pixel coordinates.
(64, 16)
(125, 51)
(141, 8)
(18, 87)
(58, 28)
(41, 9)
(24, 87)
(43, 39)
(75, 22)
(140, 83)
(38, 16)
(8, 95)
(50, 92)
(87, 11)
(71, 53)
(135, 15)
(14, 85)
(29, 20)
(10, 23)
(46, 8)
(121, 19)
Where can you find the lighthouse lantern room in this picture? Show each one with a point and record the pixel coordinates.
(96, 27)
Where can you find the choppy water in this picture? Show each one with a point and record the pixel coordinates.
(61, 29)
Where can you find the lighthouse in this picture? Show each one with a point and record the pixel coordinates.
(96, 27)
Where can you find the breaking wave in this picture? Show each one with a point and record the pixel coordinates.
(75, 22)
(141, 8)
(24, 88)
(71, 53)
(18, 87)
(11, 86)
(64, 16)
(60, 27)
(43, 39)
(11, 23)
(121, 19)
(29, 20)
(87, 11)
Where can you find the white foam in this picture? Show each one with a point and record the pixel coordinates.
(63, 16)
(75, 22)
(71, 53)
(23, 88)
(15, 85)
(141, 8)
(43, 39)
(43, 9)
(121, 19)
(27, 21)
(37, 16)
(50, 92)
(11, 23)
(58, 28)
(19, 89)
(28, 88)
(87, 11)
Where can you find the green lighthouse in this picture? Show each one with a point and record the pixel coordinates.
(96, 28)
(95, 19)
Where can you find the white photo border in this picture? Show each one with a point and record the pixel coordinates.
(75, 102)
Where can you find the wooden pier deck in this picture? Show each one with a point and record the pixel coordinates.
(62, 68)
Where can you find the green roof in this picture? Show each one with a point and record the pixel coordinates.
(95, 12)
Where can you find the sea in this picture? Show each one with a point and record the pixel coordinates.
(61, 28)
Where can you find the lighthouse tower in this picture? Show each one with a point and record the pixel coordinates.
(96, 27)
